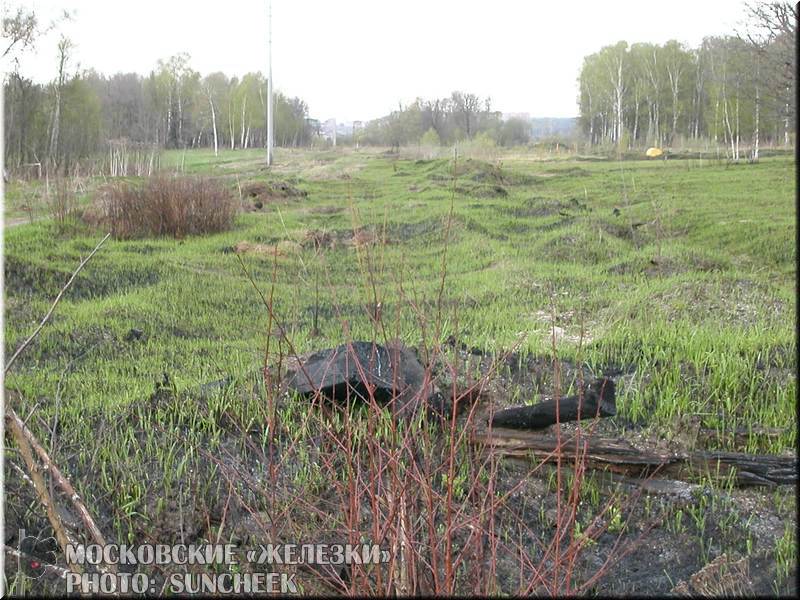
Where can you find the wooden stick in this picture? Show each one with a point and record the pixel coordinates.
(58, 477)
(39, 485)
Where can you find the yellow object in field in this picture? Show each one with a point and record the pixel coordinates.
(654, 152)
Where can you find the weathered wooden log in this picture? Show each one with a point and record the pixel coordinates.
(390, 375)
(597, 400)
(621, 456)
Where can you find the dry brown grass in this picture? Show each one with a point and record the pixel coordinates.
(282, 248)
(164, 206)
(721, 577)
(61, 202)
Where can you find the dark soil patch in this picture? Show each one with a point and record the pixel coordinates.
(626, 231)
(478, 227)
(326, 210)
(666, 266)
(569, 172)
(552, 226)
(538, 207)
(482, 191)
(404, 232)
(73, 345)
(141, 248)
(103, 279)
(591, 158)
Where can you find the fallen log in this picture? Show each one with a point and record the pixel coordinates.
(597, 400)
(620, 456)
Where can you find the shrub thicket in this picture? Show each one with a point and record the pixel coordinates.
(164, 206)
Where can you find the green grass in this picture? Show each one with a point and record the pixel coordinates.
(692, 284)
(697, 325)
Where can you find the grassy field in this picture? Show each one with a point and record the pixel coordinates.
(679, 275)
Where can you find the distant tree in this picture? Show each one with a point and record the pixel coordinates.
(292, 125)
(433, 115)
(677, 63)
(20, 29)
(515, 132)
(771, 31)
(81, 126)
(214, 87)
(662, 94)
(180, 84)
(466, 107)
(430, 139)
(64, 49)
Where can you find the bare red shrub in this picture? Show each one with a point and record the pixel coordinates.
(164, 206)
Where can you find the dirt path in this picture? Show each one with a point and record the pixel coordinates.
(15, 221)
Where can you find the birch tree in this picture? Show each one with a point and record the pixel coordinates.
(64, 48)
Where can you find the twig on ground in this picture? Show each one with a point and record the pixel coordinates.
(16, 427)
(59, 478)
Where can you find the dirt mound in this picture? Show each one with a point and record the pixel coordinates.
(323, 239)
(477, 178)
(260, 193)
(282, 248)
(471, 169)
(318, 239)
(479, 171)
(363, 237)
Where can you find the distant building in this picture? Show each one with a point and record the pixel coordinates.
(329, 130)
(517, 115)
(314, 125)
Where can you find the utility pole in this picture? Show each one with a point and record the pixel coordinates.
(270, 116)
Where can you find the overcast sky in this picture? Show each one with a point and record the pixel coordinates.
(356, 59)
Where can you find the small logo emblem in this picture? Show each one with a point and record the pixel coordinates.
(36, 554)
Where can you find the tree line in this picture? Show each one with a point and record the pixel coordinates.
(77, 114)
(732, 91)
(444, 121)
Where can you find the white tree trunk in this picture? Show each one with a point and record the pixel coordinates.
(244, 114)
(230, 123)
(727, 120)
(786, 120)
(619, 91)
(756, 125)
(214, 125)
(738, 137)
(169, 117)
